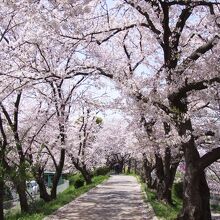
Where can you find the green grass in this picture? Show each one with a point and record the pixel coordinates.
(40, 209)
(162, 210)
(215, 208)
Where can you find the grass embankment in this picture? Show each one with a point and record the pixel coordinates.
(168, 212)
(162, 210)
(215, 208)
(40, 209)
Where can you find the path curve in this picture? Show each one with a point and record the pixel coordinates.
(119, 198)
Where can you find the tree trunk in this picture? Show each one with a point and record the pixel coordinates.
(135, 166)
(85, 173)
(57, 175)
(21, 189)
(39, 176)
(196, 197)
(165, 171)
(121, 166)
(129, 165)
(196, 193)
(53, 194)
(87, 176)
(81, 167)
(147, 171)
(1, 197)
(164, 187)
(43, 192)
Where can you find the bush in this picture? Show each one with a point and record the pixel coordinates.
(101, 171)
(77, 180)
(178, 189)
(71, 179)
(79, 183)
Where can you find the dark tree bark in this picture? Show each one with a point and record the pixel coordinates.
(147, 172)
(119, 160)
(81, 167)
(21, 189)
(165, 172)
(3, 144)
(135, 166)
(86, 175)
(196, 193)
(121, 166)
(39, 176)
(58, 173)
(1, 197)
(124, 169)
(129, 165)
(19, 181)
(164, 166)
(43, 190)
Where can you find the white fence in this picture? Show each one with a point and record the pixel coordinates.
(214, 199)
(63, 186)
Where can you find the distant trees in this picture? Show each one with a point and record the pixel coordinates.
(117, 143)
(81, 147)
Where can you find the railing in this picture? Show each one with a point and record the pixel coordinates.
(214, 198)
(63, 186)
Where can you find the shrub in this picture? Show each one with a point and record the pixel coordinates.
(71, 179)
(101, 171)
(178, 189)
(77, 180)
(79, 183)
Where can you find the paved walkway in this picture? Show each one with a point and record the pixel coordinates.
(119, 198)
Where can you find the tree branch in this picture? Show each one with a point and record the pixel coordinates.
(6, 30)
(197, 54)
(194, 3)
(188, 87)
(3, 134)
(51, 155)
(150, 24)
(207, 159)
(180, 25)
(16, 105)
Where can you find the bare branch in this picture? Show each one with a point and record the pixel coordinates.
(6, 30)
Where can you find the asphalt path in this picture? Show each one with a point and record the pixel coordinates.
(119, 198)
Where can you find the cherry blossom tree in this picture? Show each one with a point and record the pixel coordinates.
(53, 66)
(181, 46)
(82, 135)
(11, 135)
